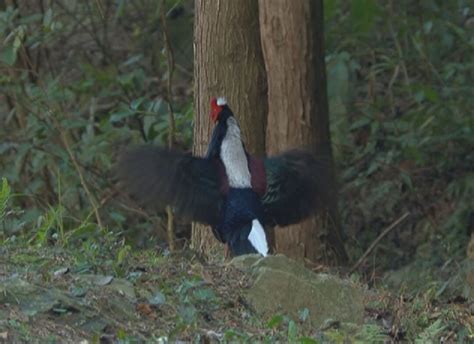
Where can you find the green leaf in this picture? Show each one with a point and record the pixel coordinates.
(432, 333)
(135, 104)
(120, 9)
(431, 94)
(187, 313)
(157, 106)
(292, 331)
(45, 224)
(9, 55)
(123, 253)
(374, 165)
(4, 197)
(48, 18)
(120, 115)
(84, 230)
(74, 123)
(362, 122)
(118, 217)
(275, 321)
(204, 294)
(78, 291)
(157, 299)
(303, 314)
(427, 26)
(17, 40)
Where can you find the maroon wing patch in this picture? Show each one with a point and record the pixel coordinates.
(223, 180)
(258, 175)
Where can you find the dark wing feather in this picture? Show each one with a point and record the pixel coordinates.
(297, 184)
(158, 177)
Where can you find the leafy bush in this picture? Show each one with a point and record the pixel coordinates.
(400, 78)
(80, 80)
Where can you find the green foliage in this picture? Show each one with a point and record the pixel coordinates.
(347, 332)
(80, 82)
(292, 331)
(52, 220)
(400, 92)
(5, 193)
(370, 333)
(432, 333)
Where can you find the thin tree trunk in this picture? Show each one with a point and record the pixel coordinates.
(292, 39)
(228, 62)
(470, 266)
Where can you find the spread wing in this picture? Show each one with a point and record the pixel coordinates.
(297, 184)
(158, 177)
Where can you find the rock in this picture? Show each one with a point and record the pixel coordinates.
(33, 299)
(99, 280)
(282, 286)
(245, 261)
(123, 287)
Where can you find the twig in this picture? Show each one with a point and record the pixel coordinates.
(390, 87)
(99, 7)
(376, 241)
(398, 47)
(171, 133)
(84, 184)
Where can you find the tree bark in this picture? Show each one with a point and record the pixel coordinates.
(470, 266)
(292, 39)
(228, 62)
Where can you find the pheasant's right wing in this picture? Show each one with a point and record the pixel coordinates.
(158, 177)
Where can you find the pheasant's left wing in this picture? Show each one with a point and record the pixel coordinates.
(297, 184)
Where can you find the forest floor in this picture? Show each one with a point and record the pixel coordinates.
(92, 295)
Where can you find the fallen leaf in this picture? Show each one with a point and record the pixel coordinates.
(146, 310)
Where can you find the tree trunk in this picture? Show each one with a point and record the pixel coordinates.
(228, 62)
(469, 290)
(292, 38)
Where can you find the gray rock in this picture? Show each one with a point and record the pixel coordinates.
(283, 286)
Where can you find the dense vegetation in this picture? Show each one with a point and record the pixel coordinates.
(401, 98)
(81, 80)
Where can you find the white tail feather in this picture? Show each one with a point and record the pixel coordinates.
(258, 238)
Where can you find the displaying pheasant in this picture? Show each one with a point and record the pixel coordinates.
(233, 192)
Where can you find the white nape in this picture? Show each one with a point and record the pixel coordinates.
(258, 238)
(234, 158)
(221, 101)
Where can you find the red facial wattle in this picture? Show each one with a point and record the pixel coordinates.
(215, 110)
